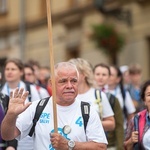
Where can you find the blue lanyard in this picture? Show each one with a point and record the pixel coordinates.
(115, 92)
(8, 89)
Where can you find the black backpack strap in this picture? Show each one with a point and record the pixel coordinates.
(29, 90)
(136, 128)
(4, 101)
(98, 94)
(111, 99)
(85, 109)
(39, 108)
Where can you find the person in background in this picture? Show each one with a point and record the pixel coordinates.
(138, 130)
(44, 79)
(125, 74)
(87, 93)
(135, 73)
(115, 87)
(36, 66)
(5, 145)
(13, 73)
(71, 133)
(29, 77)
(42, 75)
(116, 137)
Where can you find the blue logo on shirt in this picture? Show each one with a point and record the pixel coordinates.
(60, 131)
(44, 118)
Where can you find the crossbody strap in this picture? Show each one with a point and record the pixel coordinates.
(39, 108)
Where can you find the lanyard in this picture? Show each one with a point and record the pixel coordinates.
(8, 89)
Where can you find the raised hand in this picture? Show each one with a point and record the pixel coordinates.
(17, 101)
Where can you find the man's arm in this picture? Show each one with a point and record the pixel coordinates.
(8, 127)
(60, 143)
(90, 146)
(16, 106)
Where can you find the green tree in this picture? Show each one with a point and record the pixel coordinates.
(108, 40)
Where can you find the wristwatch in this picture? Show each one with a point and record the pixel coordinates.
(71, 144)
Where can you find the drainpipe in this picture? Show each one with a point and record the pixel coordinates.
(22, 29)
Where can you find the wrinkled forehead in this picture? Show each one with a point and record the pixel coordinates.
(65, 67)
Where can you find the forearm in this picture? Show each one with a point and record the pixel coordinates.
(8, 127)
(108, 124)
(90, 146)
(10, 148)
(128, 144)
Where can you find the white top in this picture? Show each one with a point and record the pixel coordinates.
(42, 92)
(67, 115)
(89, 97)
(146, 140)
(34, 94)
(128, 101)
(27, 143)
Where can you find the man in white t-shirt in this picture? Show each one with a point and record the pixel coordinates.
(18, 120)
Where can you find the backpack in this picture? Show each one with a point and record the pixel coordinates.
(98, 97)
(27, 84)
(4, 101)
(99, 101)
(85, 109)
(111, 99)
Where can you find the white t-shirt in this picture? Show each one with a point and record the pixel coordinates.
(89, 97)
(146, 140)
(42, 92)
(34, 94)
(26, 143)
(66, 115)
(128, 101)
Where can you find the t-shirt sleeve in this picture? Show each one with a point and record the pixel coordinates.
(24, 121)
(94, 130)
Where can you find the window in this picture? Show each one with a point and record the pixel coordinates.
(3, 6)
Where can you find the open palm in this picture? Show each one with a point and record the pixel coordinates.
(17, 101)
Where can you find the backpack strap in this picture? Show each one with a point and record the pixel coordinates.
(99, 101)
(85, 109)
(4, 101)
(136, 128)
(111, 99)
(29, 90)
(39, 108)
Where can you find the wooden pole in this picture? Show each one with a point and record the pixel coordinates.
(52, 63)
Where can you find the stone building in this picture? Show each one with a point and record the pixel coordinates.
(24, 30)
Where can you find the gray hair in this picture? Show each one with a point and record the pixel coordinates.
(65, 65)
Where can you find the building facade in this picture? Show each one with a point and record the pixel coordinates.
(24, 30)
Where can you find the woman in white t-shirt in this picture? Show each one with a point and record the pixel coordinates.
(116, 88)
(13, 73)
(86, 92)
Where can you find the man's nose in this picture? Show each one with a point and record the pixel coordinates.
(69, 85)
